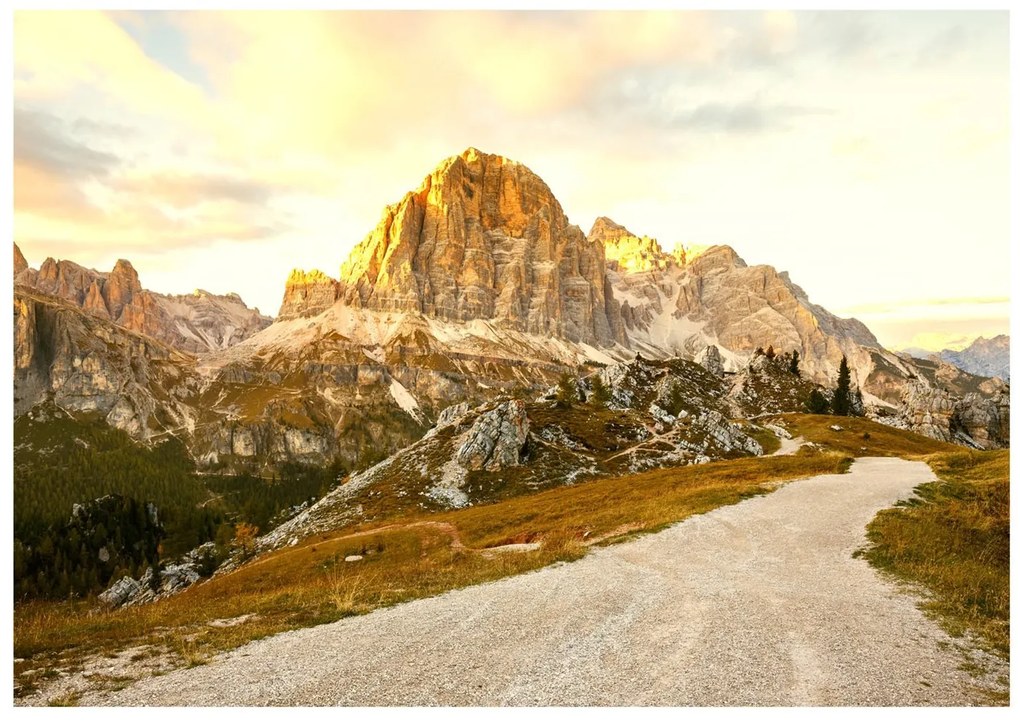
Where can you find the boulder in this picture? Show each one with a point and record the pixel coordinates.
(710, 359)
(496, 438)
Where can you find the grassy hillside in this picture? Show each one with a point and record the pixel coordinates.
(404, 558)
(953, 540)
(859, 436)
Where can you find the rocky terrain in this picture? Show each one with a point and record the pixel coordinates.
(655, 413)
(472, 287)
(984, 357)
(196, 323)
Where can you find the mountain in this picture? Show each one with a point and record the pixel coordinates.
(483, 238)
(472, 288)
(196, 323)
(985, 357)
(85, 363)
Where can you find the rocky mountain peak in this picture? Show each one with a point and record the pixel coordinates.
(483, 237)
(717, 258)
(20, 263)
(625, 251)
(307, 293)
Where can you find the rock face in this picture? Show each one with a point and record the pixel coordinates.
(496, 438)
(984, 420)
(983, 357)
(928, 411)
(484, 238)
(20, 263)
(625, 251)
(711, 360)
(196, 323)
(88, 364)
(307, 293)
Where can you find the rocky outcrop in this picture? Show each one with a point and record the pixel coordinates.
(307, 293)
(170, 578)
(710, 359)
(483, 237)
(983, 420)
(87, 364)
(928, 410)
(20, 264)
(196, 323)
(496, 438)
(627, 252)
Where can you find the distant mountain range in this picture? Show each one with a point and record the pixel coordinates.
(983, 357)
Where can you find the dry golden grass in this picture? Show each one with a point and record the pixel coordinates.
(861, 437)
(412, 557)
(954, 541)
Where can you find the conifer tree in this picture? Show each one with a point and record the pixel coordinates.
(841, 399)
(566, 390)
(599, 393)
(795, 363)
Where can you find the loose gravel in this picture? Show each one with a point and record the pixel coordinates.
(760, 603)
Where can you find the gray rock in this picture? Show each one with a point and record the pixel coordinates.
(120, 592)
(496, 438)
(711, 360)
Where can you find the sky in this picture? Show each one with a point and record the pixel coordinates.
(867, 153)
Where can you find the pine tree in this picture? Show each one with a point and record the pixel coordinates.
(599, 393)
(770, 353)
(795, 363)
(841, 399)
(816, 402)
(566, 390)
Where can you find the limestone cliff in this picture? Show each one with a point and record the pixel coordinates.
(307, 293)
(483, 237)
(627, 252)
(88, 364)
(195, 323)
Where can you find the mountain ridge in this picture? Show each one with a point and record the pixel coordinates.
(476, 286)
(198, 322)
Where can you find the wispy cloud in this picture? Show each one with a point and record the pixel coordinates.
(47, 143)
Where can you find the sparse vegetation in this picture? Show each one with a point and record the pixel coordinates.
(953, 540)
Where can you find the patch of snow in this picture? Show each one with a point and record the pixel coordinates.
(404, 398)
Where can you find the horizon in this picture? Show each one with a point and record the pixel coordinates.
(211, 139)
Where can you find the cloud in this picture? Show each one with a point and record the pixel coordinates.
(742, 117)
(43, 141)
(183, 190)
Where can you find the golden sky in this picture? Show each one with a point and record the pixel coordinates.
(865, 153)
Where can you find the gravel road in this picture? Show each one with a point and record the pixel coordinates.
(759, 603)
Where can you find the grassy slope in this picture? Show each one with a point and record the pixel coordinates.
(310, 583)
(418, 554)
(954, 541)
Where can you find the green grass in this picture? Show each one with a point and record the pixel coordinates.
(954, 542)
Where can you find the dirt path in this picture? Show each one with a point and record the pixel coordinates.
(759, 603)
(789, 446)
